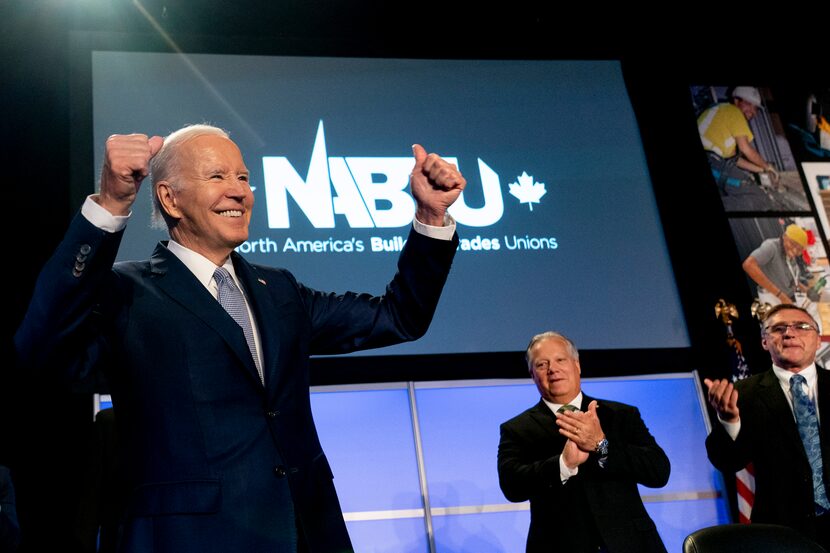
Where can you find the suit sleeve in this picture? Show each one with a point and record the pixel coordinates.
(633, 452)
(61, 327)
(9, 527)
(725, 454)
(342, 323)
(529, 466)
(522, 473)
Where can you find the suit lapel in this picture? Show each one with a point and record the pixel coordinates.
(544, 418)
(270, 310)
(823, 385)
(776, 403)
(586, 400)
(176, 280)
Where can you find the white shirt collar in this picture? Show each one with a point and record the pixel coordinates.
(808, 372)
(202, 267)
(576, 402)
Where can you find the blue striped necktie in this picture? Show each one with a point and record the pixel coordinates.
(805, 415)
(230, 297)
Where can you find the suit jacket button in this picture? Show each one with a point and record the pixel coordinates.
(85, 249)
(280, 471)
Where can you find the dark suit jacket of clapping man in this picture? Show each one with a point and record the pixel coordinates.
(579, 469)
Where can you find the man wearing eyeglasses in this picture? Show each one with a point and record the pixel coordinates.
(772, 420)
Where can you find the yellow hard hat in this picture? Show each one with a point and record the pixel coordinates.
(796, 234)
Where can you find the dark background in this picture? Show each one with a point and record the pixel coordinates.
(46, 425)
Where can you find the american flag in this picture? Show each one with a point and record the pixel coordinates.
(745, 484)
(744, 478)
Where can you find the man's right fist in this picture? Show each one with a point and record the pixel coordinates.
(126, 164)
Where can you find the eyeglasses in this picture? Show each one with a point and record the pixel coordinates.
(798, 328)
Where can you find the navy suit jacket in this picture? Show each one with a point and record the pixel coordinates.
(598, 500)
(9, 526)
(216, 462)
(769, 439)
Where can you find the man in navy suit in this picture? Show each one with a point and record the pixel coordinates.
(579, 460)
(216, 426)
(757, 424)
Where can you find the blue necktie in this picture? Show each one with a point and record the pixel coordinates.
(230, 297)
(805, 415)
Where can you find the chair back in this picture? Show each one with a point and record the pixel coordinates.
(749, 538)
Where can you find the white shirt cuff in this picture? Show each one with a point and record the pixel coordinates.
(564, 472)
(732, 428)
(101, 218)
(445, 232)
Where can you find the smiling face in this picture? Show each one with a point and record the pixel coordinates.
(793, 349)
(555, 370)
(209, 197)
(747, 108)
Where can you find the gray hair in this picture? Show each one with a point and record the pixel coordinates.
(165, 164)
(547, 336)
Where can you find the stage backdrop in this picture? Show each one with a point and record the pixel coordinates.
(558, 224)
(415, 462)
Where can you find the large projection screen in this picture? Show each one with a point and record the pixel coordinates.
(559, 227)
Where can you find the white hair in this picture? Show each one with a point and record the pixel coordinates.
(547, 336)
